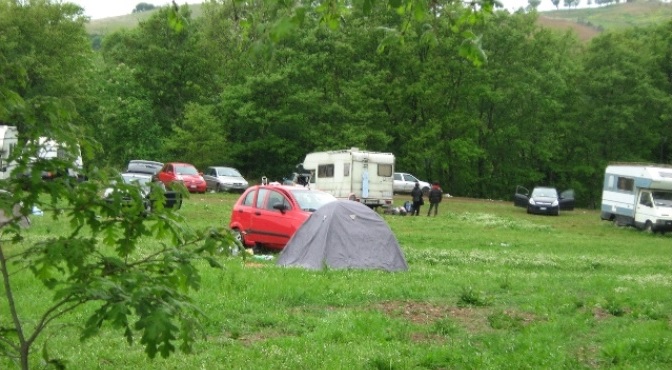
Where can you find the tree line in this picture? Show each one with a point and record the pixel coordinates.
(243, 85)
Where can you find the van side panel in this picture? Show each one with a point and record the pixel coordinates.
(9, 137)
(616, 201)
(623, 186)
(356, 174)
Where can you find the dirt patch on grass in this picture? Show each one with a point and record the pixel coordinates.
(472, 319)
(424, 313)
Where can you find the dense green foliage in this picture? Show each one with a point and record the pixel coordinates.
(542, 109)
(97, 264)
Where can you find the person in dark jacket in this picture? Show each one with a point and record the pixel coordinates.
(416, 194)
(435, 196)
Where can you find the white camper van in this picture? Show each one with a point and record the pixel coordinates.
(9, 137)
(639, 195)
(353, 174)
(51, 149)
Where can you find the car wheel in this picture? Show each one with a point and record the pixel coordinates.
(219, 189)
(648, 227)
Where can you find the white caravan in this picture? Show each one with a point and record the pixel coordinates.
(51, 149)
(9, 137)
(353, 174)
(639, 195)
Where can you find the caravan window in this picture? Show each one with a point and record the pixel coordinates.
(625, 183)
(325, 170)
(385, 170)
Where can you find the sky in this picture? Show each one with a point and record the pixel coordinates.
(97, 9)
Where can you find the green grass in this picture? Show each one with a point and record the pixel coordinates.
(488, 286)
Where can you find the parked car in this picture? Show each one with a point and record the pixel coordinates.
(142, 173)
(185, 173)
(224, 179)
(267, 216)
(544, 200)
(404, 183)
(143, 166)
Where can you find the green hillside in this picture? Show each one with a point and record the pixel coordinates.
(617, 16)
(111, 24)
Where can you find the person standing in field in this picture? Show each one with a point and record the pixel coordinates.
(416, 194)
(435, 196)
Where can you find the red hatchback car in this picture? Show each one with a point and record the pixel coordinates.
(185, 173)
(268, 215)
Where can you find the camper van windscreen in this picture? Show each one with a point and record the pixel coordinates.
(662, 198)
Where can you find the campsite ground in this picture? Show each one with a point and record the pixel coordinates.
(488, 287)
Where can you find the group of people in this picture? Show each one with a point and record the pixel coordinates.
(435, 196)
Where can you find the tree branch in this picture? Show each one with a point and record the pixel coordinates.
(10, 298)
(51, 314)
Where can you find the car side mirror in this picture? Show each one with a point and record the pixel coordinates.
(280, 207)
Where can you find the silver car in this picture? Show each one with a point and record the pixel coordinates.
(405, 182)
(224, 179)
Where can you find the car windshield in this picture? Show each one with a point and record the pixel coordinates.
(143, 181)
(544, 192)
(310, 200)
(231, 172)
(662, 198)
(186, 170)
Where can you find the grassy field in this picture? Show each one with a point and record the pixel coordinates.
(489, 286)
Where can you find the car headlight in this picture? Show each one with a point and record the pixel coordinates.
(532, 202)
(555, 203)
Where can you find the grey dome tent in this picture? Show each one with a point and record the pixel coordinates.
(344, 234)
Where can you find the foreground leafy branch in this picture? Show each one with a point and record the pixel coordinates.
(135, 270)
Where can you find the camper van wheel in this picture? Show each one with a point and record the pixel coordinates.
(648, 227)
